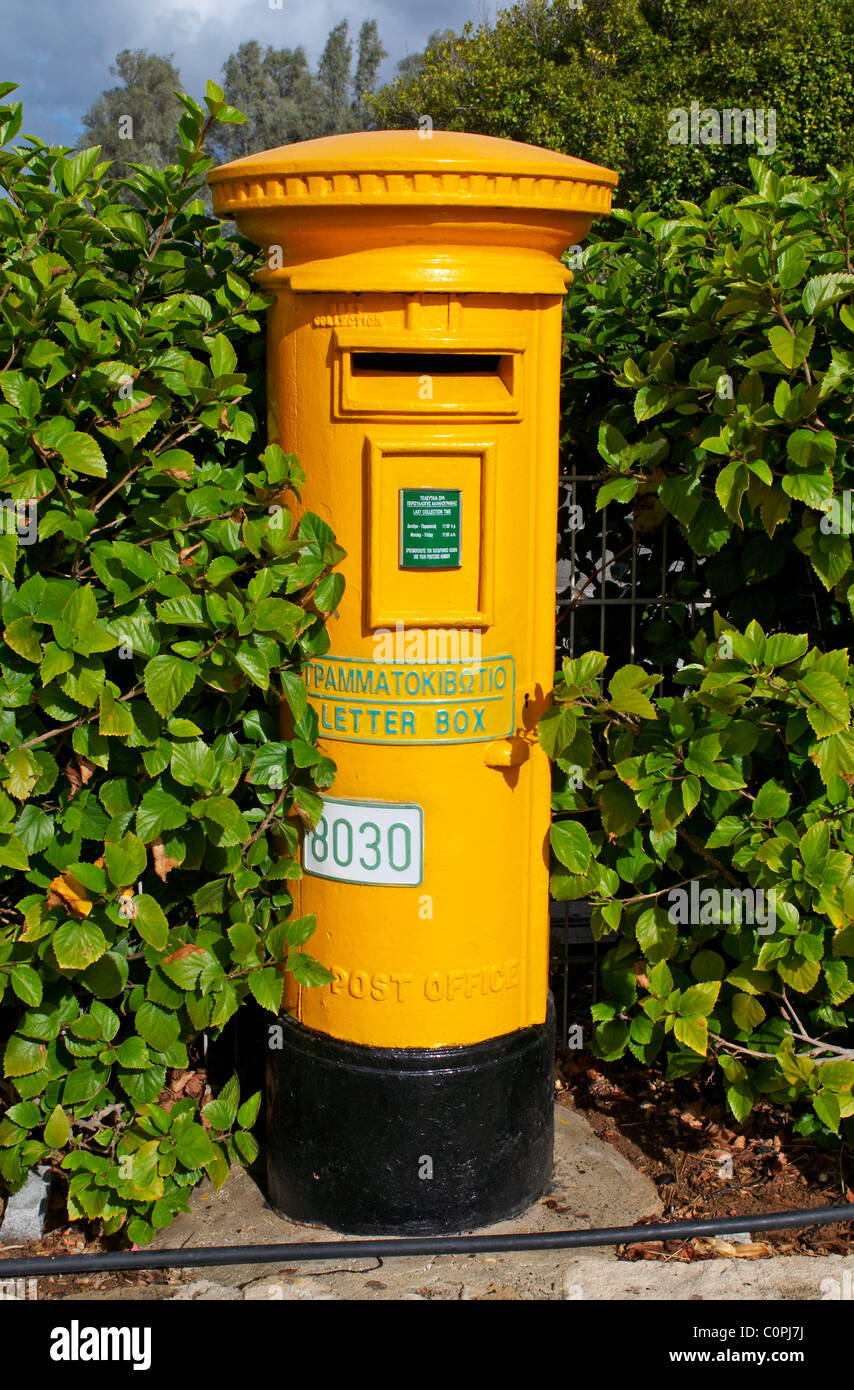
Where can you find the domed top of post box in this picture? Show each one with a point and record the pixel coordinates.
(413, 210)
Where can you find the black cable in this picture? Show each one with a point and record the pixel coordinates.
(389, 1247)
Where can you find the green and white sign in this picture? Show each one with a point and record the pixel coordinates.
(367, 842)
(430, 528)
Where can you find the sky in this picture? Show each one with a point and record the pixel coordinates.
(60, 51)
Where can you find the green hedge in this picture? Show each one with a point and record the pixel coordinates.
(710, 363)
(605, 81)
(156, 608)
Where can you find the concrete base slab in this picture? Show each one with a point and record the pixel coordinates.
(808, 1277)
(594, 1185)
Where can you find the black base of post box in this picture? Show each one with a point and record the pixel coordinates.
(417, 1141)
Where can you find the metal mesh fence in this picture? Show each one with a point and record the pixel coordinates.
(628, 586)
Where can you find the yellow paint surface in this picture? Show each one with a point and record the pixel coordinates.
(414, 359)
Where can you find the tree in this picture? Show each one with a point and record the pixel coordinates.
(412, 65)
(371, 54)
(136, 122)
(274, 86)
(600, 81)
(333, 72)
(285, 101)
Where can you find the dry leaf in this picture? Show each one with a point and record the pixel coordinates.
(688, 1117)
(66, 892)
(737, 1250)
(140, 405)
(163, 864)
(78, 776)
(640, 974)
(182, 953)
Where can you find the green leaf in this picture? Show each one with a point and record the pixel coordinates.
(247, 1147)
(27, 984)
(223, 356)
(185, 965)
(772, 802)
(266, 986)
(107, 977)
(814, 848)
(299, 930)
(167, 680)
(158, 811)
(616, 490)
(572, 845)
(224, 812)
(184, 611)
(660, 979)
(57, 1131)
(143, 1087)
(747, 1012)
(78, 944)
(150, 921)
(823, 290)
(23, 1057)
(656, 934)
(193, 764)
(158, 1027)
(829, 710)
(783, 648)
(193, 1147)
(255, 664)
(126, 859)
(811, 448)
(649, 401)
(115, 718)
(556, 729)
(222, 1112)
(740, 1098)
(801, 974)
(813, 486)
(826, 1106)
(618, 808)
(708, 965)
(22, 393)
(133, 1053)
(280, 617)
(327, 595)
(699, 999)
(23, 638)
(218, 1115)
(837, 1076)
(82, 454)
(610, 1038)
(179, 459)
(22, 773)
(788, 349)
(26, 1113)
(626, 694)
(730, 486)
(692, 1032)
(248, 1112)
(307, 971)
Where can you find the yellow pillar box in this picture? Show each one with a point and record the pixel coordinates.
(414, 364)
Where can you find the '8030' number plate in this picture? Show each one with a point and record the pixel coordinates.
(367, 842)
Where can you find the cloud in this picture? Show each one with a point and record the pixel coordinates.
(61, 53)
